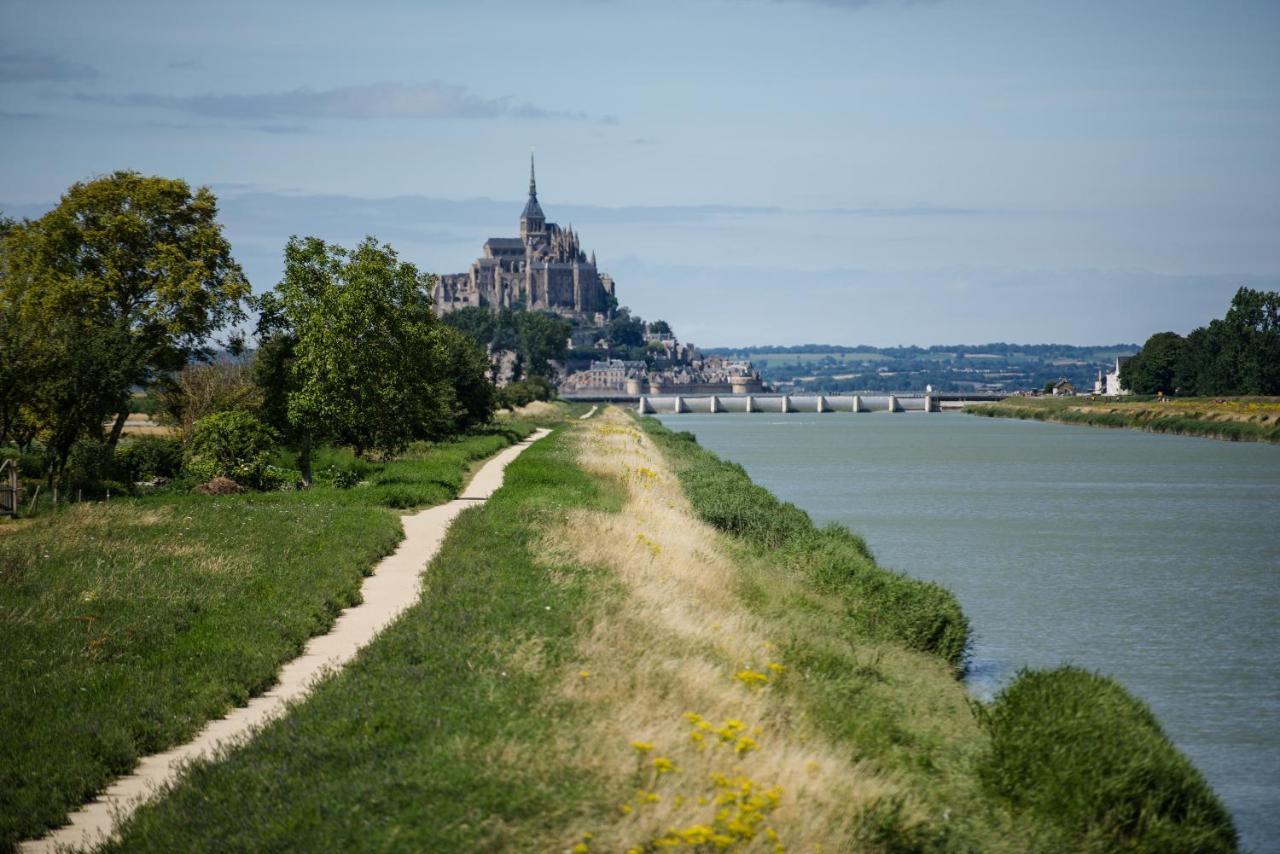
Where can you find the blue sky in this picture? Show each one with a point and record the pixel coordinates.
(753, 171)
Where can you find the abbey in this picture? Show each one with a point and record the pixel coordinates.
(544, 268)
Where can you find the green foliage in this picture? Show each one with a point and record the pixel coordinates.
(1175, 422)
(1076, 749)
(147, 457)
(538, 337)
(879, 603)
(203, 388)
(236, 445)
(474, 396)
(126, 278)
(384, 755)
(524, 392)
(351, 352)
(624, 330)
(1237, 355)
(1153, 370)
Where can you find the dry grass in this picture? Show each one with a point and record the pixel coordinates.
(680, 672)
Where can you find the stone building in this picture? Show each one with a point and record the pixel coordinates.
(542, 269)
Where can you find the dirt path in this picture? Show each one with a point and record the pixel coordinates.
(392, 588)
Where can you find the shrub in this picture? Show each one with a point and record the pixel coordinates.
(526, 391)
(1080, 751)
(234, 445)
(89, 472)
(148, 457)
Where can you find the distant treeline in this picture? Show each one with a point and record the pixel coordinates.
(1236, 355)
(999, 348)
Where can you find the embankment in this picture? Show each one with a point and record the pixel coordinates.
(631, 647)
(1180, 418)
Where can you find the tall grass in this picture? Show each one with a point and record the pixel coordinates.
(922, 615)
(1076, 749)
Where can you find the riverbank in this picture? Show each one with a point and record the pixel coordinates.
(1252, 419)
(631, 647)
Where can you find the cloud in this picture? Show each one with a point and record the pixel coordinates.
(20, 66)
(434, 100)
(10, 116)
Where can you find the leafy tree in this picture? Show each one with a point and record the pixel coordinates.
(141, 265)
(1155, 366)
(481, 324)
(542, 337)
(350, 351)
(467, 367)
(660, 327)
(625, 331)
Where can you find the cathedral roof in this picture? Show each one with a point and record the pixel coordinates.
(504, 243)
(531, 207)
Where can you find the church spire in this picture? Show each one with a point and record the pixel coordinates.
(533, 182)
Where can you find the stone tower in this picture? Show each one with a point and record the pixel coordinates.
(532, 220)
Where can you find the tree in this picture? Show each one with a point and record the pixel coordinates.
(660, 327)
(467, 367)
(350, 351)
(625, 331)
(141, 265)
(1153, 369)
(542, 337)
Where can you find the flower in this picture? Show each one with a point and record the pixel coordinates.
(663, 765)
(642, 746)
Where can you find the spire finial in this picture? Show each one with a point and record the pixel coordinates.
(533, 183)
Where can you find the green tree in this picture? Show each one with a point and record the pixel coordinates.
(660, 327)
(350, 353)
(140, 263)
(467, 367)
(625, 330)
(542, 337)
(1154, 368)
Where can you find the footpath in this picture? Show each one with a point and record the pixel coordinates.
(393, 587)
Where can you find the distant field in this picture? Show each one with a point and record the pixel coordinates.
(1247, 419)
(808, 357)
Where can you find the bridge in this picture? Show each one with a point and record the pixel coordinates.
(670, 404)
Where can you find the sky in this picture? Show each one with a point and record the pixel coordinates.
(753, 171)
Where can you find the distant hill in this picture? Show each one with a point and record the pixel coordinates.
(960, 367)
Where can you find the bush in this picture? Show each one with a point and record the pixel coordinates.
(148, 457)
(526, 391)
(234, 445)
(89, 472)
(1080, 751)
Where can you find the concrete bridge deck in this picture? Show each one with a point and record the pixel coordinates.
(669, 404)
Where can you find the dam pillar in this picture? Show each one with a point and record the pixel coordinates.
(644, 408)
(857, 403)
(786, 403)
(928, 403)
(893, 403)
(680, 405)
(715, 404)
(751, 403)
(822, 403)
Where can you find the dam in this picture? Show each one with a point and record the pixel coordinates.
(674, 404)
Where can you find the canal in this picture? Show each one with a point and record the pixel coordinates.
(1153, 559)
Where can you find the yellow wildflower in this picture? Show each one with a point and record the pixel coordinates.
(580, 848)
(776, 667)
(583, 674)
(745, 745)
(642, 746)
(663, 764)
(751, 678)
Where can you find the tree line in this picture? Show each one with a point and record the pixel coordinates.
(127, 281)
(1238, 354)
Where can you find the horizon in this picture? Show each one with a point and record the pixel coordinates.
(899, 173)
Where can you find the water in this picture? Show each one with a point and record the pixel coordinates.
(1153, 559)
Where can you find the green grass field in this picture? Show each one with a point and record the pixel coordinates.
(124, 626)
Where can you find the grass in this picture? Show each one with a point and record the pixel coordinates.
(443, 734)
(1232, 419)
(621, 652)
(124, 626)
(1076, 749)
(879, 603)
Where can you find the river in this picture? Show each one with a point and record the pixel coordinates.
(1153, 559)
